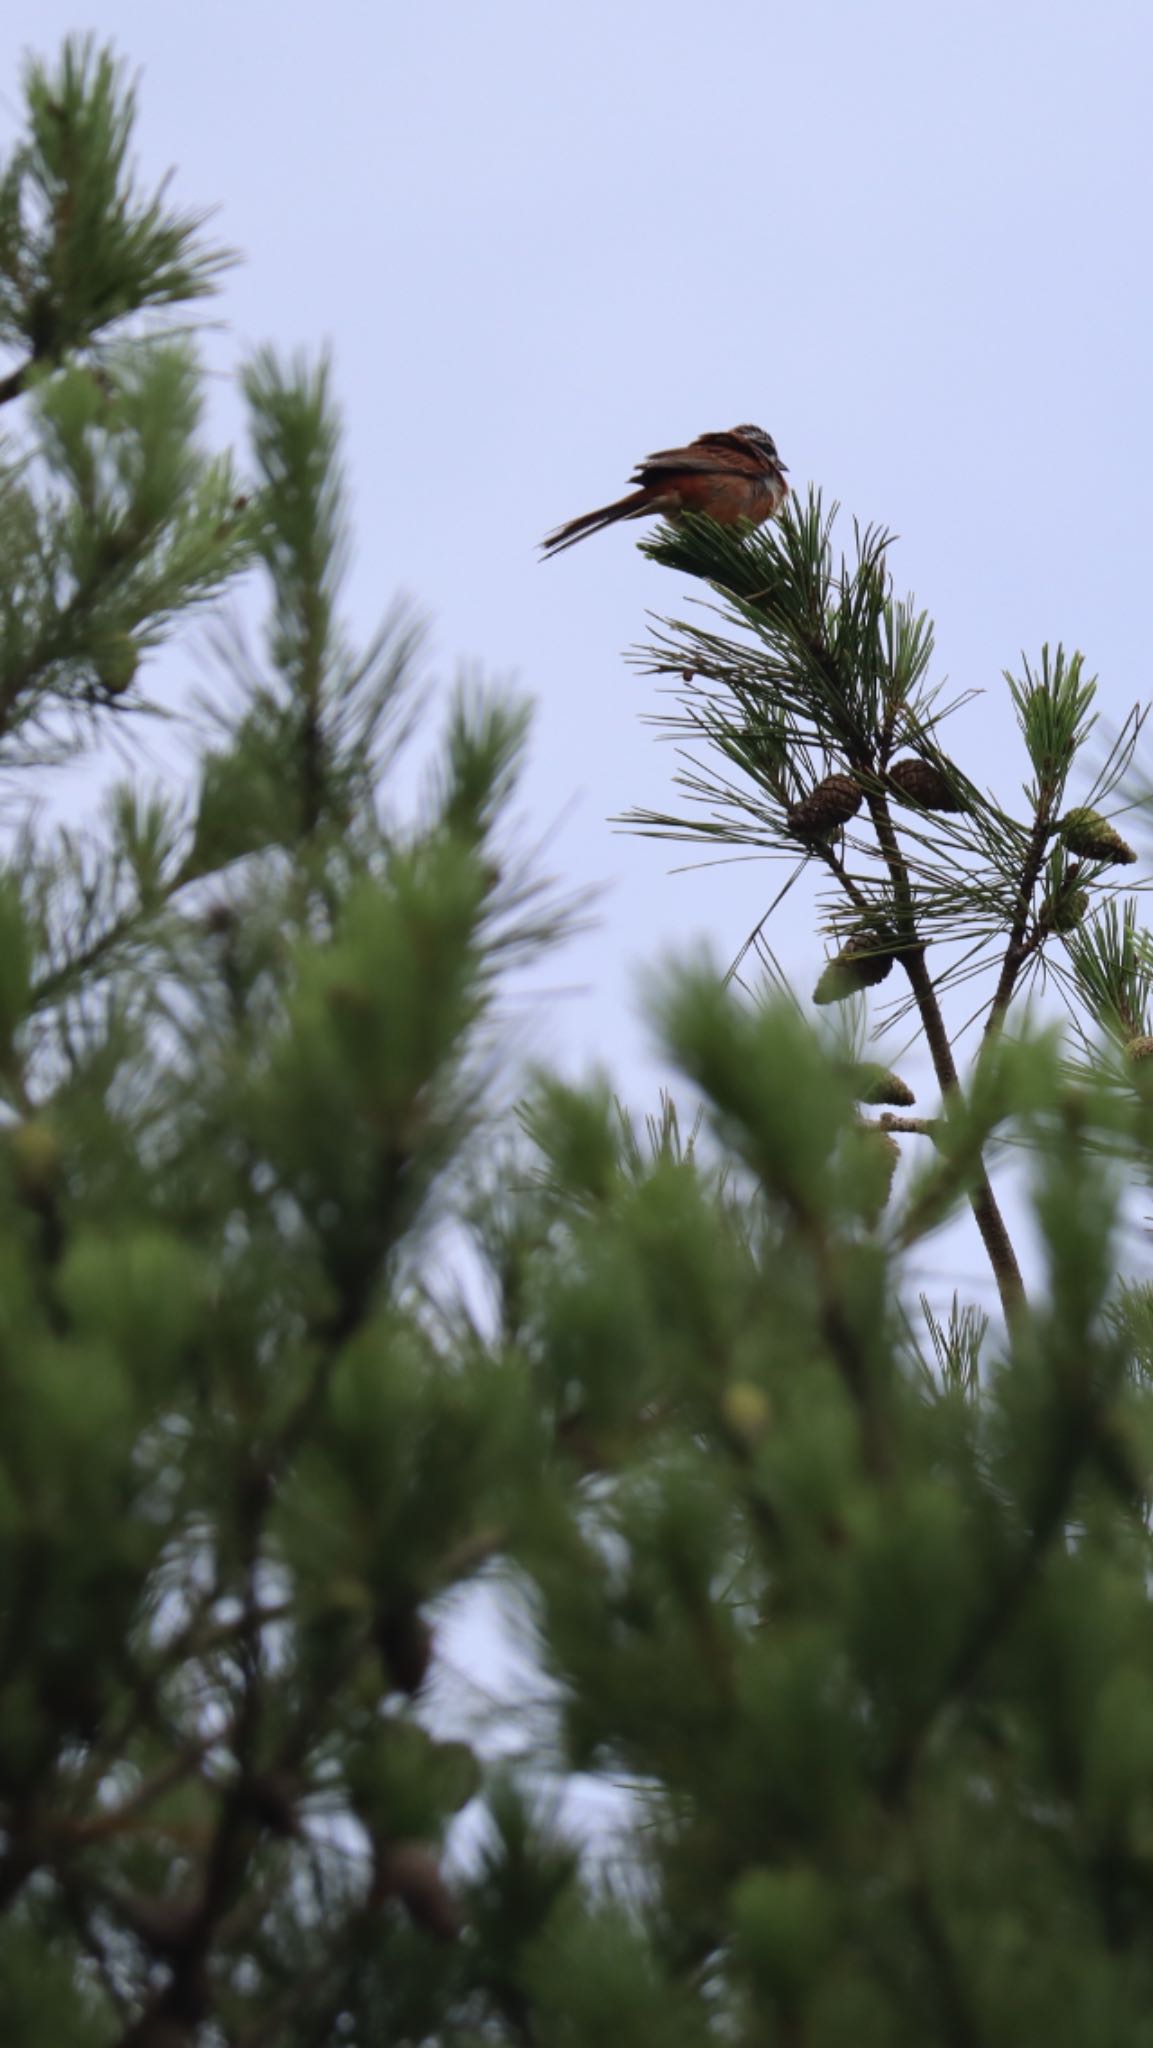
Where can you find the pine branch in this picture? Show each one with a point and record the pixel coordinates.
(986, 1209)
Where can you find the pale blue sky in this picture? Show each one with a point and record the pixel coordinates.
(912, 240)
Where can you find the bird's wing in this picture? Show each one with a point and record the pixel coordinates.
(709, 452)
(730, 444)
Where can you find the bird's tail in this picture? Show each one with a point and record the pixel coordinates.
(630, 507)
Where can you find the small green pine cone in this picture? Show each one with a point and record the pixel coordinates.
(1066, 913)
(1140, 1048)
(873, 1085)
(885, 1151)
(831, 804)
(746, 1411)
(116, 664)
(862, 963)
(34, 1154)
(1087, 833)
(920, 783)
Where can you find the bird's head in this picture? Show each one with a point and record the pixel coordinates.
(764, 442)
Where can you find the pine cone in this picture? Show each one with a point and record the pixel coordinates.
(404, 1640)
(1086, 832)
(116, 664)
(1066, 913)
(271, 1798)
(34, 1152)
(409, 1871)
(1140, 1048)
(863, 962)
(874, 1086)
(747, 1412)
(887, 1153)
(831, 804)
(916, 781)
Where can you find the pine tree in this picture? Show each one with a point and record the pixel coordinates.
(302, 1332)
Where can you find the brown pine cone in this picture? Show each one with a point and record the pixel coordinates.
(404, 1640)
(831, 804)
(410, 1872)
(863, 962)
(918, 782)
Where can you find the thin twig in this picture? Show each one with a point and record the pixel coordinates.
(1018, 948)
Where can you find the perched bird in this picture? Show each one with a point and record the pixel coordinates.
(731, 477)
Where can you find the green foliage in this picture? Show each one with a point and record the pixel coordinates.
(1053, 711)
(80, 248)
(119, 524)
(844, 1596)
(115, 520)
(813, 1641)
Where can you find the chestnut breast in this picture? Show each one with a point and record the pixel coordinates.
(727, 498)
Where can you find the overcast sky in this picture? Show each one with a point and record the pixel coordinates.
(911, 240)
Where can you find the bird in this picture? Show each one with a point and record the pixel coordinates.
(732, 477)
